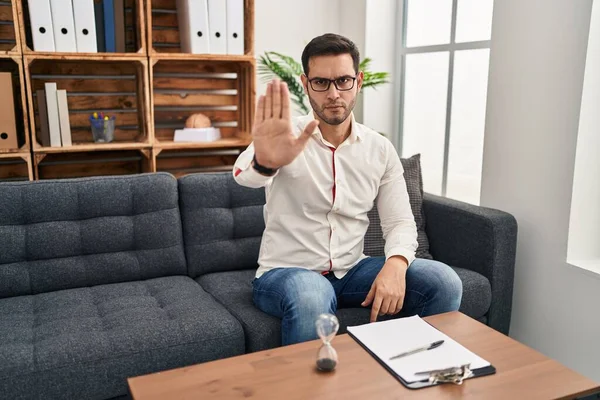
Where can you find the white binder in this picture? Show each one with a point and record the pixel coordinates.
(64, 26)
(193, 26)
(40, 17)
(63, 117)
(235, 26)
(53, 119)
(217, 21)
(85, 26)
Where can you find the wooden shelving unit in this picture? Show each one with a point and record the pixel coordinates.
(152, 89)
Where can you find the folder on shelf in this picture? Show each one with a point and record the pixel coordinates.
(235, 26)
(63, 117)
(85, 26)
(209, 134)
(119, 12)
(44, 132)
(40, 18)
(63, 25)
(194, 35)
(53, 119)
(217, 22)
(109, 26)
(99, 18)
(409, 348)
(8, 123)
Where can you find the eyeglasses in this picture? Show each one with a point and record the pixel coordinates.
(342, 83)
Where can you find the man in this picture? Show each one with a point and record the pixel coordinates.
(323, 172)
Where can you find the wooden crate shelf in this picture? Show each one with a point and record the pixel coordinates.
(135, 32)
(10, 42)
(163, 30)
(180, 162)
(81, 164)
(14, 65)
(223, 91)
(16, 167)
(118, 86)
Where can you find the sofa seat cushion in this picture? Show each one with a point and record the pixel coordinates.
(85, 342)
(233, 289)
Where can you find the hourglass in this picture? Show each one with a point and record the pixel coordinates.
(327, 327)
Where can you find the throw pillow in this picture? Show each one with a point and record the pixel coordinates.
(374, 243)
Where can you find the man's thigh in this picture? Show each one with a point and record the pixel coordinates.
(352, 289)
(281, 287)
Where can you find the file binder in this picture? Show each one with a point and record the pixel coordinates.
(448, 363)
(63, 117)
(235, 26)
(63, 25)
(85, 26)
(53, 121)
(194, 35)
(119, 10)
(42, 32)
(44, 132)
(109, 26)
(8, 122)
(217, 21)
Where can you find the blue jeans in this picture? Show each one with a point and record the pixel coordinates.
(298, 296)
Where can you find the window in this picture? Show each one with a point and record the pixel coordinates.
(445, 51)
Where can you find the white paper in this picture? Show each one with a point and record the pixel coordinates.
(197, 135)
(389, 338)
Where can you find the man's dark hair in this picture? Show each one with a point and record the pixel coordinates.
(330, 44)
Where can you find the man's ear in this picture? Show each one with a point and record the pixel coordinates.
(359, 80)
(304, 80)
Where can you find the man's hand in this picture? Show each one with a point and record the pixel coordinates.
(274, 143)
(388, 289)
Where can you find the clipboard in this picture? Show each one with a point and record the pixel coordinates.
(430, 380)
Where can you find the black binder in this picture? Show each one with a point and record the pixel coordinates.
(489, 370)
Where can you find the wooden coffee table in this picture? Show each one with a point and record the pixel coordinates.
(288, 373)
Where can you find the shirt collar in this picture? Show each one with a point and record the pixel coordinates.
(355, 130)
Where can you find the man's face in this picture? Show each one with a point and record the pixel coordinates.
(333, 106)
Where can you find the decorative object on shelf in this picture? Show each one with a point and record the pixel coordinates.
(273, 64)
(198, 120)
(103, 128)
(209, 134)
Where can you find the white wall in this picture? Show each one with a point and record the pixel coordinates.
(584, 232)
(286, 26)
(535, 86)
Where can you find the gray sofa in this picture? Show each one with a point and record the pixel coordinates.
(111, 277)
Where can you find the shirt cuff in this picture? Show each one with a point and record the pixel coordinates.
(250, 175)
(400, 251)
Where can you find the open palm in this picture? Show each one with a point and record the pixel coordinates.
(275, 144)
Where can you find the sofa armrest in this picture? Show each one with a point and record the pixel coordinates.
(477, 238)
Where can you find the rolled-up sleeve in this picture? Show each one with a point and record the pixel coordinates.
(245, 175)
(397, 220)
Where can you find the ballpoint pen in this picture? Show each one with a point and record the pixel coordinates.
(423, 348)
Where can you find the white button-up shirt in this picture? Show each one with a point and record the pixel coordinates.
(316, 207)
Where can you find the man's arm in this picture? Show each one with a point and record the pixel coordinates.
(393, 205)
(400, 234)
(245, 174)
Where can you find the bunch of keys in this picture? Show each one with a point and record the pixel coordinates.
(454, 375)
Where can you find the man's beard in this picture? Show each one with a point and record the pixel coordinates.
(336, 120)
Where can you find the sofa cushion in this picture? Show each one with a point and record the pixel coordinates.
(374, 243)
(222, 221)
(233, 289)
(63, 234)
(85, 342)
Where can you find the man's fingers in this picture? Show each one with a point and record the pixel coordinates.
(260, 110)
(285, 102)
(369, 297)
(269, 101)
(386, 306)
(376, 307)
(276, 91)
(399, 305)
(307, 133)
